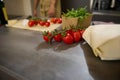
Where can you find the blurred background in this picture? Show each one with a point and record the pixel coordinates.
(100, 8)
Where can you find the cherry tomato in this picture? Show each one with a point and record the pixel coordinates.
(47, 37)
(77, 36)
(58, 37)
(54, 20)
(59, 20)
(70, 31)
(31, 23)
(82, 31)
(41, 23)
(47, 24)
(68, 39)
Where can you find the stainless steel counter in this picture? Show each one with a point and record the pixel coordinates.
(25, 53)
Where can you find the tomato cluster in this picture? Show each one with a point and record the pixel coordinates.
(67, 36)
(43, 22)
(33, 23)
(72, 36)
(56, 20)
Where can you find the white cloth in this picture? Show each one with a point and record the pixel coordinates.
(23, 24)
(104, 40)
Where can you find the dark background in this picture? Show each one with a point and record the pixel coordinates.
(112, 16)
(68, 4)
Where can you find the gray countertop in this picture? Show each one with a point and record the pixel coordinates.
(25, 53)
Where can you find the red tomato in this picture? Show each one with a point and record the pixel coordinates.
(59, 20)
(77, 36)
(48, 37)
(54, 20)
(57, 38)
(47, 24)
(36, 22)
(31, 23)
(68, 39)
(70, 31)
(82, 31)
(41, 23)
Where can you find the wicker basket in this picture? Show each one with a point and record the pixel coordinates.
(70, 21)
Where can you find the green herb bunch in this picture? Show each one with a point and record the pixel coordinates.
(81, 13)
